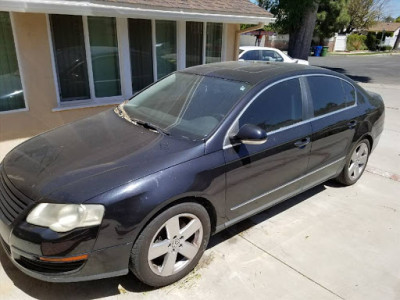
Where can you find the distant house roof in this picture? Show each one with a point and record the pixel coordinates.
(388, 27)
(233, 11)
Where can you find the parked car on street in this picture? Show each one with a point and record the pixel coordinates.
(267, 54)
(142, 187)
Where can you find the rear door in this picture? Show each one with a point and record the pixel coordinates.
(333, 103)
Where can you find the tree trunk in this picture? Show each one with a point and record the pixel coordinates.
(397, 42)
(300, 39)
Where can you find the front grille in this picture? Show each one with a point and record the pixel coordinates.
(49, 267)
(6, 247)
(12, 203)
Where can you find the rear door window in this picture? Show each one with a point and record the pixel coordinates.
(328, 94)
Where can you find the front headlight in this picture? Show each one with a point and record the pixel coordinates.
(65, 217)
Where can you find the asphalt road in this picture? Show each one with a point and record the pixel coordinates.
(383, 69)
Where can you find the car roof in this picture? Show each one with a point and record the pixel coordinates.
(254, 72)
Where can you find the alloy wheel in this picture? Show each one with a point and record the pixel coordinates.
(175, 244)
(358, 161)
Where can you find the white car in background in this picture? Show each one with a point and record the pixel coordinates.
(267, 54)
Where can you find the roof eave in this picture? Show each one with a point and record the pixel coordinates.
(114, 10)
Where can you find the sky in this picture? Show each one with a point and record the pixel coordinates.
(392, 8)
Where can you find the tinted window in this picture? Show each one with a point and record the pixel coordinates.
(277, 107)
(350, 93)
(327, 94)
(251, 55)
(269, 55)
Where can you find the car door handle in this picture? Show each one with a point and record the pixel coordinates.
(302, 143)
(352, 124)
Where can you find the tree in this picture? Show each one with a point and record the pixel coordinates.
(397, 19)
(364, 13)
(298, 19)
(388, 19)
(332, 17)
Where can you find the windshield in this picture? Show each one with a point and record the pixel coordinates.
(185, 104)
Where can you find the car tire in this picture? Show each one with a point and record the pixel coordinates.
(171, 245)
(356, 163)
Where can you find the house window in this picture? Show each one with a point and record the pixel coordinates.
(70, 57)
(194, 44)
(166, 47)
(105, 60)
(140, 40)
(214, 42)
(11, 91)
(203, 43)
(86, 57)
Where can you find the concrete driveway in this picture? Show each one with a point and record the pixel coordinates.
(330, 242)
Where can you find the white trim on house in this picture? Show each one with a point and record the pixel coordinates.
(89, 65)
(154, 49)
(204, 43)
(181, 45)
(21, 74)
(224, 40)
(119, 10)
(124, 57)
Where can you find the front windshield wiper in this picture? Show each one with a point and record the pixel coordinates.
(150, 126)
(122, 113)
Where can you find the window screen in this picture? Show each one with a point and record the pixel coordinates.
(214, 42)
(104, 52)
(277, 107)
(165, 47)
(11, 93)
(141, 53)
(194, 44)
(70, 57)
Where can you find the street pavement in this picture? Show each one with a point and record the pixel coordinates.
(331, 242)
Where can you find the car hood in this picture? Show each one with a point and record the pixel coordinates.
(78, 161)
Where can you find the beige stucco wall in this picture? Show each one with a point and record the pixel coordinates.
(40, 94)
(230, 41)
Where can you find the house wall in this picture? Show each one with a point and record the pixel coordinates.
(32, 43)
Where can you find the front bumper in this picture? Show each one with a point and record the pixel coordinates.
(108, 262)
(33, 249)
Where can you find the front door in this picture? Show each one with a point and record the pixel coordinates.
(260, 175)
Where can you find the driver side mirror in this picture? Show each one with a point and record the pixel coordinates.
(250, 134)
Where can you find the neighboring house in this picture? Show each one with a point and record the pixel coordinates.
(62, 60)
(389, 28)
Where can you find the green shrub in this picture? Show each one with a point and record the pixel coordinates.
(371, 42)
(385, 48)
(356, 42)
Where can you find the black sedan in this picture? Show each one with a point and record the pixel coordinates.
(142, 187)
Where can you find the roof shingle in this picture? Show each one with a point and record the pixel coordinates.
(236, 7)
(388, 27)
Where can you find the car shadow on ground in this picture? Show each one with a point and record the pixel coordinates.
(117, 285)
(363, 79)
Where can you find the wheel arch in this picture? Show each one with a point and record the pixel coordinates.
(209, 207)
